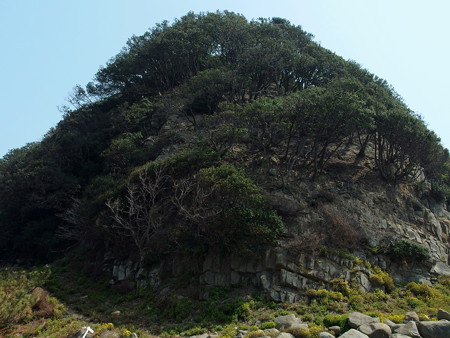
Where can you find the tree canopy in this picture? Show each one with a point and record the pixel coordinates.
(204, 100)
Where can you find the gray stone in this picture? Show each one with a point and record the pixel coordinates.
(389, 323)
(285, 322)
(109, 334)
(356, 319)
(364, 282)
(408, 329)
(441, 269)
(399, 335)
(285, 335)
(121, 272)
(336, 329)
(352, 333)
(284, 204)
(432, 329)
(411, 316)
(442, 314)
(300, 326)
(376, 330)
(134, 335)
(325, 335)
(203, 335)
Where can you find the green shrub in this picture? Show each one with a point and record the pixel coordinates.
(268, 325)
(341, 286)
(176, 307)
(197, 330)
(398, 319)
(336, 320)
(382, 278)
(312, 332)
(421, 290)
(299, 332)
(325, 295)
(409, 250)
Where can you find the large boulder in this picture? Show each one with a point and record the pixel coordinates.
(376, 330)
(356, 319)
(285, 322)
(409, 329)
(432, 329)
(352, 333)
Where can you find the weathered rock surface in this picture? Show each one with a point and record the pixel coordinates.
(389, 323)
(336, 329)
(356, 319)
(325, 335)
(376, 330)
(432, 329)
(109, 334)
(411, 316)
(352, 333)
(442, 314)
(409, 329)
(284, 274)
(285, 322)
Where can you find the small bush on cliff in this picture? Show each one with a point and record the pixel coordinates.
(406, 250)
(382, 278)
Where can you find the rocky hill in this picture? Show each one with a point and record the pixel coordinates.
(218, 152)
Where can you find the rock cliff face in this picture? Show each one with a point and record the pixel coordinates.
(358, 217)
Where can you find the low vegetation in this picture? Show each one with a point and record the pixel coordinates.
(224, 310)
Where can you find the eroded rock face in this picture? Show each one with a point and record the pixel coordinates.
(285, 272)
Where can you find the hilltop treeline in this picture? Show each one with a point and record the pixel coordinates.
(159, 153)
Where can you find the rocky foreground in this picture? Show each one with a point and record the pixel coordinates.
(361, 326)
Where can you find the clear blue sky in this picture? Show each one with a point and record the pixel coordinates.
(49, 46)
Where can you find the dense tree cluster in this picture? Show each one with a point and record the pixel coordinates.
(150, 149)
